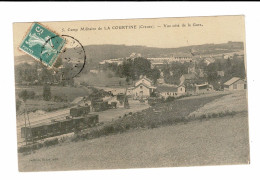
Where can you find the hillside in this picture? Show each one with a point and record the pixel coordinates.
(208, 141)
(97, 53)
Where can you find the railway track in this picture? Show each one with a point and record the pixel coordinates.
(45, 118)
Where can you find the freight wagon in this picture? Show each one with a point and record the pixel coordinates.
(100, 105)
(79, 119)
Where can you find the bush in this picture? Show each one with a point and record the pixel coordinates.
(31, 94)
(95, 134)
(84, 136)
(221, 114)
(18, 104)
(153, 125)
(51, 142)
(127, 126)
(60, 98)
(214, 115)
(108, 129)
(28, 148)
(23, 149)
(169, 99)
(203, 116)
(119, 128)
(46, 92)
(24, 94)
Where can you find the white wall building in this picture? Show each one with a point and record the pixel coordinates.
(143, 88)
(235, 83)
(171, 91)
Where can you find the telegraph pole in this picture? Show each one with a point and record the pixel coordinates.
(25, 132)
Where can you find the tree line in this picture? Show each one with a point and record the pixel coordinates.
(132, 69)
(38, 74)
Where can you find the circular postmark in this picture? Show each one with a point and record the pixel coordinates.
(71, 59)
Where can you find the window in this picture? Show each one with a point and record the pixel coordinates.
(141, 87)
(235, 86)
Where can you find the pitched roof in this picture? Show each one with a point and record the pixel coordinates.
(149, 87)
(232, 81)
(199, 85)
(147, 79)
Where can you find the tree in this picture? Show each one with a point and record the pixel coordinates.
(46, 75)
(211, 71)
(126, 69)
(154, 74)
(219, 68)
(58, 63)
(131, 69)
(46, 92)
(174, 71)
(141, 66)
(18, 104)
(25, 72)
(23, 95)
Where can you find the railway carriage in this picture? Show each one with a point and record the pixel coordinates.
(79, 119)
(40, 131)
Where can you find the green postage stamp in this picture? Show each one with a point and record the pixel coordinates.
(42, 44)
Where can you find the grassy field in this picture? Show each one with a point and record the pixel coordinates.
(67, 93)
(34, 105)
(211, 141)
(214, 142)
(70, 92)
(235, 102)
(102, 79)
(165, 113)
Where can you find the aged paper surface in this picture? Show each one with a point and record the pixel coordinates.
(134, 93)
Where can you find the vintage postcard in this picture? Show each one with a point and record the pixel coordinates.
(133, 93)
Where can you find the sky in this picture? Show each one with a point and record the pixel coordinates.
(157, 32)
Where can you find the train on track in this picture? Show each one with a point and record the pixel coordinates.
(100, 105)
(79, 119)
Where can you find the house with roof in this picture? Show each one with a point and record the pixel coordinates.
(187, 78)
(166, 91)
(235, 83)
(182, 57)
(158, 65)
(143, 88)
(202, 88)
(209, 60)
(221, 73)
